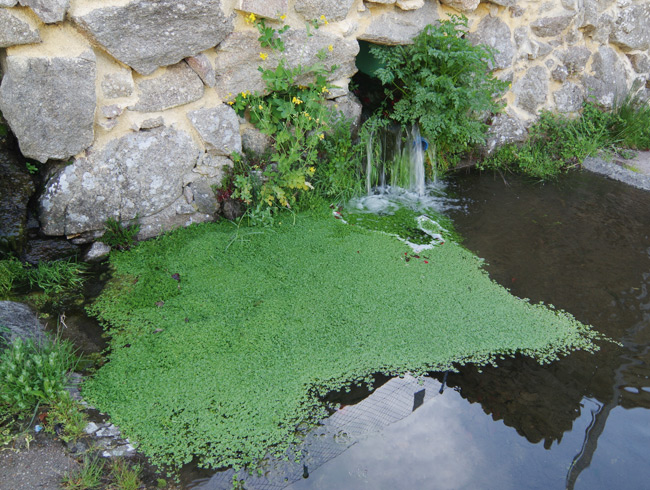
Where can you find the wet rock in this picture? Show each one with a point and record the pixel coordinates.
(91, 428)
(504, 129)
(49, 103)
(203, 68)
(218, 127)
(271, 9)
(119, 84)
(333, 10)
(232, 209)
(495, 33)
(255, 142)
(14, 30)
(177, 85)
(97, 251)
(49, 11)
(108, 431)
(569, 98)
(609, 80)
(631, 29)
(39, 250)
(531, 90)
(146, 35)
(16, 188)
(462, 5)
(237, 61)
(137, 174)
(397, 27)
(77, 448)
(21, 322)
(551, 26)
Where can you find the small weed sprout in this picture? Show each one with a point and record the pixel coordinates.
(88, 477)
(118, 236)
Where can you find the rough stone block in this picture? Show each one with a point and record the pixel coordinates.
(575, 59)
(147, 34)
(495, 33)
(138, 174)
(400, 27)
(631, 29)
(531, 90)
(177, 85)
(271, 9)
(462, 5)
(49, 11)
(609, 81)
(15, 31)
(49, 104)
(333, 10)
(551, 26)
(119, 84)
(569, 98)
(410, 4)
(203, 68)
(218, 128)
(504, 129)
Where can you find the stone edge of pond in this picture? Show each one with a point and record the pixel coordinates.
(639, 179)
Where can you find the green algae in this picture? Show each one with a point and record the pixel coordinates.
(225, 338)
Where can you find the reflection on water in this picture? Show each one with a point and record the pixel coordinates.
(582, 244)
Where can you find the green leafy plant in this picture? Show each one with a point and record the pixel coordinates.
(118, 236)
(33, 374)
(57, 276)
(88, 477)
(67, 414)
(11, 272)
(296, 118)
(442, 83)
(632, 113)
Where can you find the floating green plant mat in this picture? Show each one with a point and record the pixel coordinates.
(223, 338)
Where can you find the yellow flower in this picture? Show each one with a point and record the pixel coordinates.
(296, 101)
(282, 17)
(321, 136)
(330, 48)
(231, 102)
(264, 56)
(312, 170)
(325, 89)
(251, 18)
(322, 17)
(260, 107)
(244, 94)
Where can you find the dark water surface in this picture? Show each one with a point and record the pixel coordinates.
(583, 245)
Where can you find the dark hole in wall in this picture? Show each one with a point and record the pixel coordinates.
(368, 88)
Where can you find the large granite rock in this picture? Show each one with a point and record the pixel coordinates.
(218, 127)
(21, 322)
(237, 61)
(14, 30)
(49, 11)
(569, 98)
(632, 27)
(495, 33)
(531, 90)
(147, 34)
(400, 27)
(16, 188)
(176, 85)
(49, 103)
(608, 82)
(139, 174)
(333, 10)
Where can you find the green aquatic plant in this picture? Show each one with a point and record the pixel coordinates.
(222, 346)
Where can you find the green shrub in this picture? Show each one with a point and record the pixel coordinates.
(442, 82)
(33, 375)
(118, 236)
(68, 414)
(57, 276)
(632, 126)
(125, 477)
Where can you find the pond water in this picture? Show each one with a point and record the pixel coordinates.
(583, 245)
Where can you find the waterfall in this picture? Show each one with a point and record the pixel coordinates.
(396, 155)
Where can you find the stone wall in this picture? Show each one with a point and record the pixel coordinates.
(127, 98)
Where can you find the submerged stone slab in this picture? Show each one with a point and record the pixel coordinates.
(237, 61)
(177, 85)
(495, 33)
(400, 27)
(49, 11)
(15, 31)
(218, 128)
(49, 104)
(333, 10)
(147, 34)
(139, 174)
